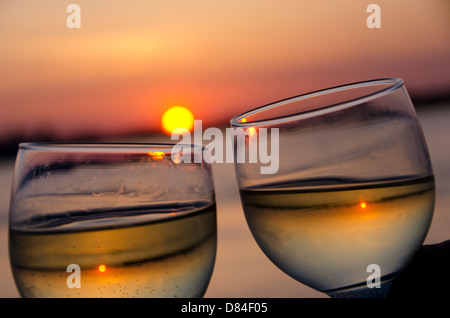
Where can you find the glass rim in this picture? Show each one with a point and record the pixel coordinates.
(395, 82)
(101, 146)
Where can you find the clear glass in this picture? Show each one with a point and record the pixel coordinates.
(353, 196)
(111, 220)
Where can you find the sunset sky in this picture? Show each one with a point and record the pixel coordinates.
(132, 60)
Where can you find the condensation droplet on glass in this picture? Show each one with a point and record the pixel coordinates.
(133, 194)
(176, 159)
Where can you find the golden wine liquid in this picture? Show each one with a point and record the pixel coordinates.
(325, 237)
(171, 257)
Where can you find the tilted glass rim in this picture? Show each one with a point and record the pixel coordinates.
(395, 84)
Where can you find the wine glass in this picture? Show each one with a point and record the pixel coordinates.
(111, 220)
(352, 197)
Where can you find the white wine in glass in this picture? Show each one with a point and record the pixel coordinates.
(132, 221)
(354, 189)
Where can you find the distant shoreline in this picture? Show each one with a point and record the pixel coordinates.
(9, 144)
(433, 100)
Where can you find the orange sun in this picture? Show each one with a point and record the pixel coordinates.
(177, 119)
(102, 268)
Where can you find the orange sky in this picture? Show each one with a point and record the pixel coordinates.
(131, 60)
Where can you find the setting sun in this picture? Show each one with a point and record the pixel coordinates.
(102, 268)
(177, 117)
